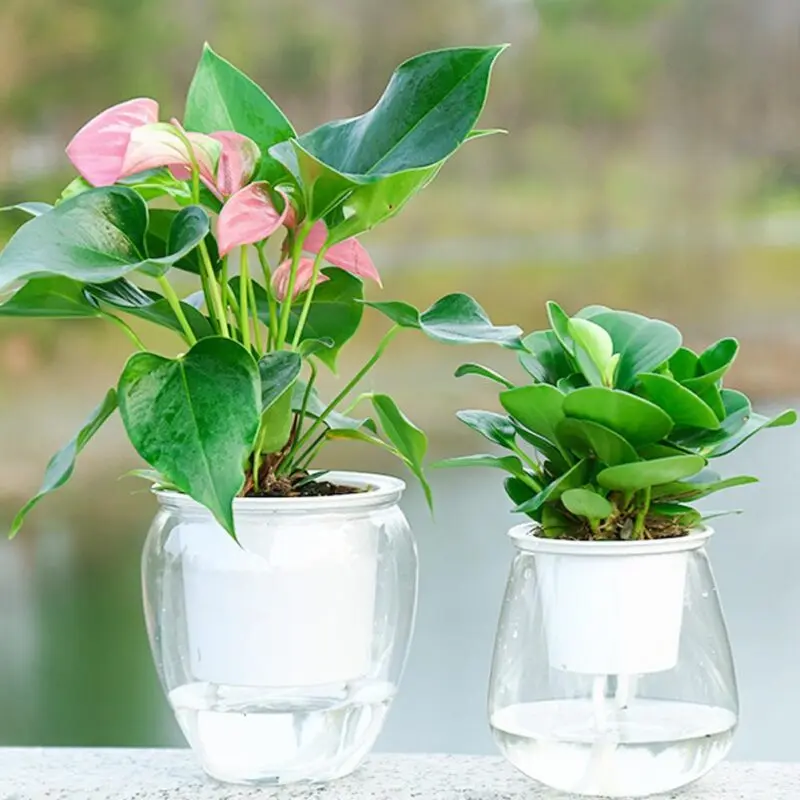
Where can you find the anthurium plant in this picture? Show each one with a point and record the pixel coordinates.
(611, 437)
(265, 221)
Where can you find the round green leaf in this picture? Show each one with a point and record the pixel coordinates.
(683, 406)
(683, 365)
(586, 503)
(632, 477)
(538, 408)
(636, 420)
(586, 438)
(194, 419)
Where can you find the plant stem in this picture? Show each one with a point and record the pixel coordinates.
(301, 414)
(175, 305)
(273, 309)
(307, 456)
(641, 515)
(382, 345)
(286, 308)
(125, 328)
(309, 297)
(256, 320)
(214, 301)
(527, 459)
(244, 297)
(262, 431)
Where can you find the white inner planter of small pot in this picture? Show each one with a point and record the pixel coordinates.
(611, 608)
(293, 603)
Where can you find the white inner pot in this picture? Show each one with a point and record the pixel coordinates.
(611, 608)
(293, 603)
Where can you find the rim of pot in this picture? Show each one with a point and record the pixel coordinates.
(524, 538)
(381, 491)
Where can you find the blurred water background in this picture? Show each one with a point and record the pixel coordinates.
(653, 162)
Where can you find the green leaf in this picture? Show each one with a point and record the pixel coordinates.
(691, 491)
(410, 441)
(549, 450)
(125, 296)
(571, 383)
(402, 314)
(713, 363)
(589, 439)
(539, 408)
(586, 503)
(555, 524)
(94, 237)
(636, 420)
(62, 464)
(495, 427)
(278, 371)
(632, 477)
(547, 362)
(650, 346)
(682, 514)
(756, 423)
(31, 208)
(510, 464)
(189, 227)
(334, 420)
(155, 183)
(311, 347)
(684, 406)
(683, 365)
(559, 322)
(574, 478)
(458, 319)
(57, 297)
(426, 112)
(484, 372)
(712, 397)
(163, 236)
(195, 419)
(594, 351)
(222, 98)
(519, 492)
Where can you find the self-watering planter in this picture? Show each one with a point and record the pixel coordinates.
(280, 655)
(612, 671)
(279, 596)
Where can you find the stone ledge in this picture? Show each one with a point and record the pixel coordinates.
(83, 774)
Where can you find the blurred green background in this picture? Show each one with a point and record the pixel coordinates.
(652, 162)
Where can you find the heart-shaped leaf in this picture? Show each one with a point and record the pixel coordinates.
(222, 98)
(683, 406)
(586, 503)
(57, 297)
(495, 427)
(62, 464)
(636, 420)
(539, 408)
(642, 474)
(125, 296)
(411, 443)
(278, 371)
(484, 372)
(94, 237)
(195, 418)
(589, 439)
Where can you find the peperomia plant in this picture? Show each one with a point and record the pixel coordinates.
(612, 438)
(238, 413)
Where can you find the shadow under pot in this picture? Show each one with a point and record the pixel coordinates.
(612, 672)
(280, 655)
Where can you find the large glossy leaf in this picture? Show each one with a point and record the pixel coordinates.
(49, 297)
(545, 359)
(426, 112)
(684, 406)
(589, 439)
(484, 372)
(411, 443)
(756, 423)
(453, 319)
(195, 418)
(62, 464)
(125, 296)
(653, 343)
(539, 408)
(632, 477)
(636, 420)
(94, 237)
(586, 503)
(496, 428)
(222, 98)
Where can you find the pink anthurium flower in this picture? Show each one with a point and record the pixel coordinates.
(302, 281)
(98, 149)
(249, 217)
(349, 255)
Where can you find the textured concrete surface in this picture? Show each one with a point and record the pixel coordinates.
(35, 774)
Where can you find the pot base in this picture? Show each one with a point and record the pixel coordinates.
(650, 747)
(272, 736)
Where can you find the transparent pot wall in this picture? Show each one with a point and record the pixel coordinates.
(612, 671)
(281, 655)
